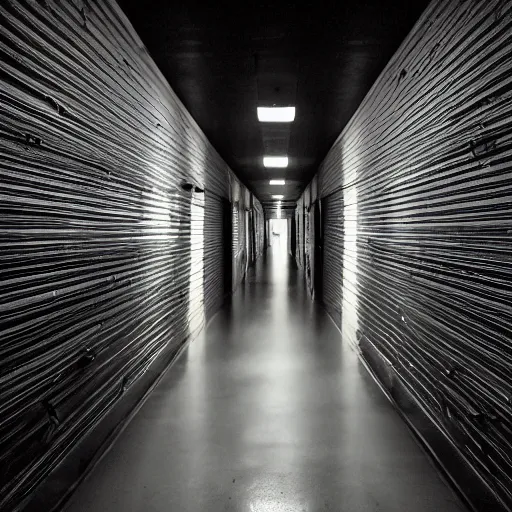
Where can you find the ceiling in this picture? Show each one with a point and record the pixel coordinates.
(225, 58)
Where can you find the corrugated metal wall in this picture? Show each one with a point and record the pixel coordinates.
(332, 207)
(306, 236)
(259, 229)
(214, 265)
(239, 244)
(107, 256)
(299, 220)
(309, 240)
(423, 174)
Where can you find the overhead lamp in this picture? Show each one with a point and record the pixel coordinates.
(276, 182)
(276, 114)
(277, 196)
(275, 161)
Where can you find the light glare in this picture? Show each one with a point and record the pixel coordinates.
(275, 161)
(276, 182)
(276, 114)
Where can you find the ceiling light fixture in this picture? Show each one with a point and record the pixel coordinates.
(276, 114)
(275, 161)
(277, 196)
(276, 182)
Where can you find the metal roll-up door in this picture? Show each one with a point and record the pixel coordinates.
(332, 213)
(239, 244)
(213, 254)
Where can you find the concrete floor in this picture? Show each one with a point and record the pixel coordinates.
(268, 411)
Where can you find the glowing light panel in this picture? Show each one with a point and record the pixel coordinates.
(275, 161)
(276, 114)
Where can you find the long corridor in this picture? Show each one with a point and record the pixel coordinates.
(268, 411)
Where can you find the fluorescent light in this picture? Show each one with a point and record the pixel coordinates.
(276, 182)
(276, 114)
(277, 197)
(275, 161)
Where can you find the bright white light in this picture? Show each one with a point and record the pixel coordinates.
(276, 114)
(276, 182)
(279, 196)
(275, 161)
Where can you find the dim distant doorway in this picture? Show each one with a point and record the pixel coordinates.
(278, 236)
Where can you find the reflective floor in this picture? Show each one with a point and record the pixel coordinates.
(267, 412)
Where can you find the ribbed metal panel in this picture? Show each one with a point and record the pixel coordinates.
(425, 169)
(213, 254)
(300, 232)
(239, 244)
(309, 248)
(102, 226)
(259, 224)
(332, 207)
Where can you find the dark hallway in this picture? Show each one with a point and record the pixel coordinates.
(266, 412)
(255, 256)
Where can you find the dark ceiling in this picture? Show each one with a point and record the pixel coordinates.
(225, 58)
